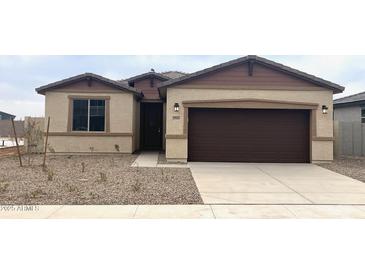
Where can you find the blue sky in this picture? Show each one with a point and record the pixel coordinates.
(20, 75)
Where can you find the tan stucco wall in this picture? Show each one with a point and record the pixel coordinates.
(177, 148)
(121, 121)
(88, 144)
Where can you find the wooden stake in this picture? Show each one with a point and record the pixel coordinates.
(46, 144)
(16, 142)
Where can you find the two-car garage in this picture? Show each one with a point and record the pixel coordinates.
(248, 135)
(249, 110)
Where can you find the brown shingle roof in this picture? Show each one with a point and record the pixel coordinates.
(147, 75)
(173, 74)
(64, 82)
(256, 59)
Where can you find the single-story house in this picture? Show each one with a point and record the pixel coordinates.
(6, 116)
(246, 110)
(350, 108)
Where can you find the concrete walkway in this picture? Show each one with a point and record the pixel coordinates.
(146, 159)
(150, 159)
(184, 212)
(246, 183)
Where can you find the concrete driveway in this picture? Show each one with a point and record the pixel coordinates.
(247, 183)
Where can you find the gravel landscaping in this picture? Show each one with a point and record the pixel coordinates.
(105, 180)
(353, 167)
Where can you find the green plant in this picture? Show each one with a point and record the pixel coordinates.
(70, 188)
(37, 193)
(33, 136)
(164, 176)
(93, 195)
(136, 186)
(4, 187)
(50, 174)
(102, 177)
(51, 149)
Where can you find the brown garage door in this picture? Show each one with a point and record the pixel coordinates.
(248, 135)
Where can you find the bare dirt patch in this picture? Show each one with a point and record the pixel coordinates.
(105, 180)
(353, 167)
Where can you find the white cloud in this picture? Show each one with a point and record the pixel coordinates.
(23, 108)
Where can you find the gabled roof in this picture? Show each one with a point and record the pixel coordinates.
(173, 74)
(86, 76)
(258, 60)
(147, 75)
(4, 113)
(352, 99)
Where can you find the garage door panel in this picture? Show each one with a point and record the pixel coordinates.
(248, 135)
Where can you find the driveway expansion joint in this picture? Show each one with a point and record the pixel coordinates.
(281, 182)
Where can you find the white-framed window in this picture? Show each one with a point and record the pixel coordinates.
(88, 115)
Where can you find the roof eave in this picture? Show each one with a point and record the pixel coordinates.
(43, 89)
(296, 73)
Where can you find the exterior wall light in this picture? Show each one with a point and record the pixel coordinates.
(176, 107)
(324, 109)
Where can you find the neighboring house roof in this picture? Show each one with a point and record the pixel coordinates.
(173, 74)
(164, 76)
(259, 60)
(358, 98)
(85, 76)
(2, 113)
(147, 75)
(6, 128)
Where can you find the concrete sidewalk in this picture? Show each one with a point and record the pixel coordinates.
(183, 211)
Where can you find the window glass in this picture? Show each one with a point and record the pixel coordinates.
(80, 115)
(363, 115)
(97, 115)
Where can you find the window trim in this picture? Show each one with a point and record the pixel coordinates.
(71, 98)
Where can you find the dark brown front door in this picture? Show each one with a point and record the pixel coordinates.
(248, 135)
(151, 126)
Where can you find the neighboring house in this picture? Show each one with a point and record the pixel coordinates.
(6, 116)
(6, 129)
(246, 110)
(350, 108)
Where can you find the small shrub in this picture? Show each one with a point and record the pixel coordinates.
(164, 176)
(50, 175)
(4, 187)
(93, 195)
(82, 167)
(103, 177)
(70, 188)
(136, 187)
(37, 193)
(51, 149)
